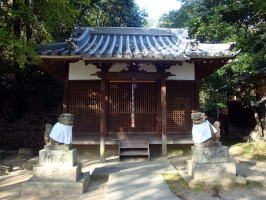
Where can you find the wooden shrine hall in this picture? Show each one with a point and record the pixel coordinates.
(132, 83)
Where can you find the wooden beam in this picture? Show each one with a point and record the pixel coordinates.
(163, 107)
(58, 69)
(206, 67)
(129, 75)
(62, 58)
(103, 129)
(134, 60)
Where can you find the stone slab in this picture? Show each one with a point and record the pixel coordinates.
(47, 189)
(213, 170)
(210, 154)
(62, 173)
(140, 181)
(58, 157)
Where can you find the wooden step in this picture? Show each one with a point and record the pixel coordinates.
(133, 146)
(134, 153)
(134, 149)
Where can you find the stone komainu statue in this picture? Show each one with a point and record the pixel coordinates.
(48, 129)
(204, 133)
(61, 132)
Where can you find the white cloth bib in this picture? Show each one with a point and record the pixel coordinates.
(202, 132)
(61, 133)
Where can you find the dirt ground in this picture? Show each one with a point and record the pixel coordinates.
(255, 172)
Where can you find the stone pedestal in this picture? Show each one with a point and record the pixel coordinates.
(211, 163)
(58, 173)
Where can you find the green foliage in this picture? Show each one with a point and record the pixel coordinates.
(186, 16)
(251, 150)
(237, 21)
(29, 96)
(110, 13)
(25, 23)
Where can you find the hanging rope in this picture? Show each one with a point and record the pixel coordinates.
(132, 115)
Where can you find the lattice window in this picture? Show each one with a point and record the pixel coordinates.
(180, 101)
(84, 103)
(120, 109)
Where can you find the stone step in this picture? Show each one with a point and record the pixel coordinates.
(55, 174)
(40, 189)
(211, 170)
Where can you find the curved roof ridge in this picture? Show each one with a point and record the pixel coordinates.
(170, 43)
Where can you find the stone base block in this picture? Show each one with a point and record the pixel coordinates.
(212, 182)
(57, 173)
(189, 167)
(39, 188)
(218, 181)
(57, 147)
(210, 154)
(212, 171)
(58, 157)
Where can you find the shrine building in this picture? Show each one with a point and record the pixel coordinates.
(134, 84)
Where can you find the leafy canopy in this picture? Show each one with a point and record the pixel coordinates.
(216, 21)
(25, 23)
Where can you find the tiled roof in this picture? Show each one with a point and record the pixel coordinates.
(135, 43)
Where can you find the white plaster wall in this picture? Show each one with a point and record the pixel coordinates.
(184, 72)
(147, 68)
(80, 71)
(118, 67)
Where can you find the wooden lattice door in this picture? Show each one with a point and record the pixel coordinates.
(84, 103)
(119, 108)
(180, 102)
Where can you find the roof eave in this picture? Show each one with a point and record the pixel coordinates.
(93, 59)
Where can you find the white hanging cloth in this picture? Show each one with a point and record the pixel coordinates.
(61, 133)
(202, 132)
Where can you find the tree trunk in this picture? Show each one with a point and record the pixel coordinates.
(17, 20)
(27, 22)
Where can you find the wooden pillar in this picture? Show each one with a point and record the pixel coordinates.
(103, 119)
(159, 109)
(161, 68)
(104, 99)
(163, 107)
